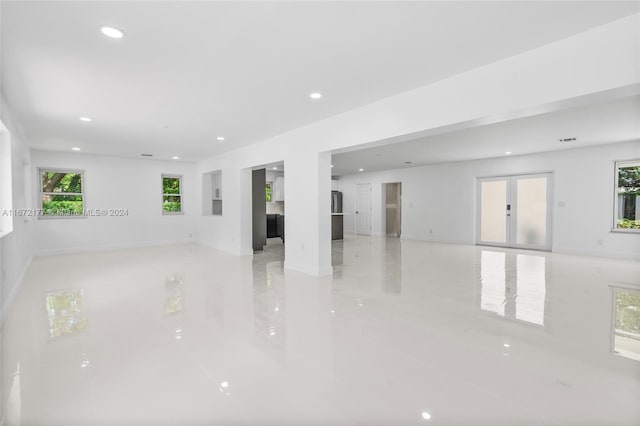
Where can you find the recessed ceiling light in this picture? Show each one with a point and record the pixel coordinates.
(86, 119)
(275, 168)
(75, 148)
(508, 153)
(332, 166)
(111, 31)
(506, 345)
(175, 157)
(426, 416)
(220, 138)
(315, 95)
(361, 170)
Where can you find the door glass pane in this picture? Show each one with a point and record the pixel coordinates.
(531, 199)
(493, 226)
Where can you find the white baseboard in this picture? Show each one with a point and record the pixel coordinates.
(597, 253)
(7, 303)
(309, 269)
(111, 247)
(434, 240)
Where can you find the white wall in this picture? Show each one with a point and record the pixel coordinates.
(438, 201)
(15, 248)
(116, 183)
(595, 64)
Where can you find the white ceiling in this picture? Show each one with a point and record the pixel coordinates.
(187, 72)
(596, 124)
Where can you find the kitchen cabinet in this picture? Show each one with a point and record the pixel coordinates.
(272, 225)
(278, 189)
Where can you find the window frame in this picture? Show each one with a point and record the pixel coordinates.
(179, 194)
(616, 168)
(82, 193)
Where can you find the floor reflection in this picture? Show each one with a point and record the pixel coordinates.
(391, 265)
(407, 325)
(269, 301)
(65, 312)
(513, 285)
(14, 402)
(626, 341)
(173, 299)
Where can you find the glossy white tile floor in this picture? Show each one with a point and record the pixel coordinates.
(405, 333)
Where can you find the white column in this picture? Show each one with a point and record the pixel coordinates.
(308, 212)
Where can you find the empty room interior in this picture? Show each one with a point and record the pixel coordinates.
(320, 213)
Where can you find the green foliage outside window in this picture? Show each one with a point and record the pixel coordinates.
(629, 195)
(171, 185)
(267, 192)
(171, 195)
(61, 193)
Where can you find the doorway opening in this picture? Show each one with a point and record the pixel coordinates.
(392, 208)
(268, 208)
(515, 211)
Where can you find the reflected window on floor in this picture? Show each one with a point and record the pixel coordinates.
(65, 310)
(626, 341)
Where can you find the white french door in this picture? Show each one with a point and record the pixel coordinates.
(515, 211)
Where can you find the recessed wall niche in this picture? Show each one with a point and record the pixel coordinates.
(212, 193)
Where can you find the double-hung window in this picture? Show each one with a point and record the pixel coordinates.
(61, 193)
(627, 197)
(171, 194)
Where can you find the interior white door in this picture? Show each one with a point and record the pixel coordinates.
(363, 209)
(515, 211)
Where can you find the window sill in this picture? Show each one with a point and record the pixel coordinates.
(625, 231)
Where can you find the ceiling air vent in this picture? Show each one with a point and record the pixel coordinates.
(564, 140)
(146, 155)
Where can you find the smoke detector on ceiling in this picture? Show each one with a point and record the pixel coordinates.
(563, 140)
